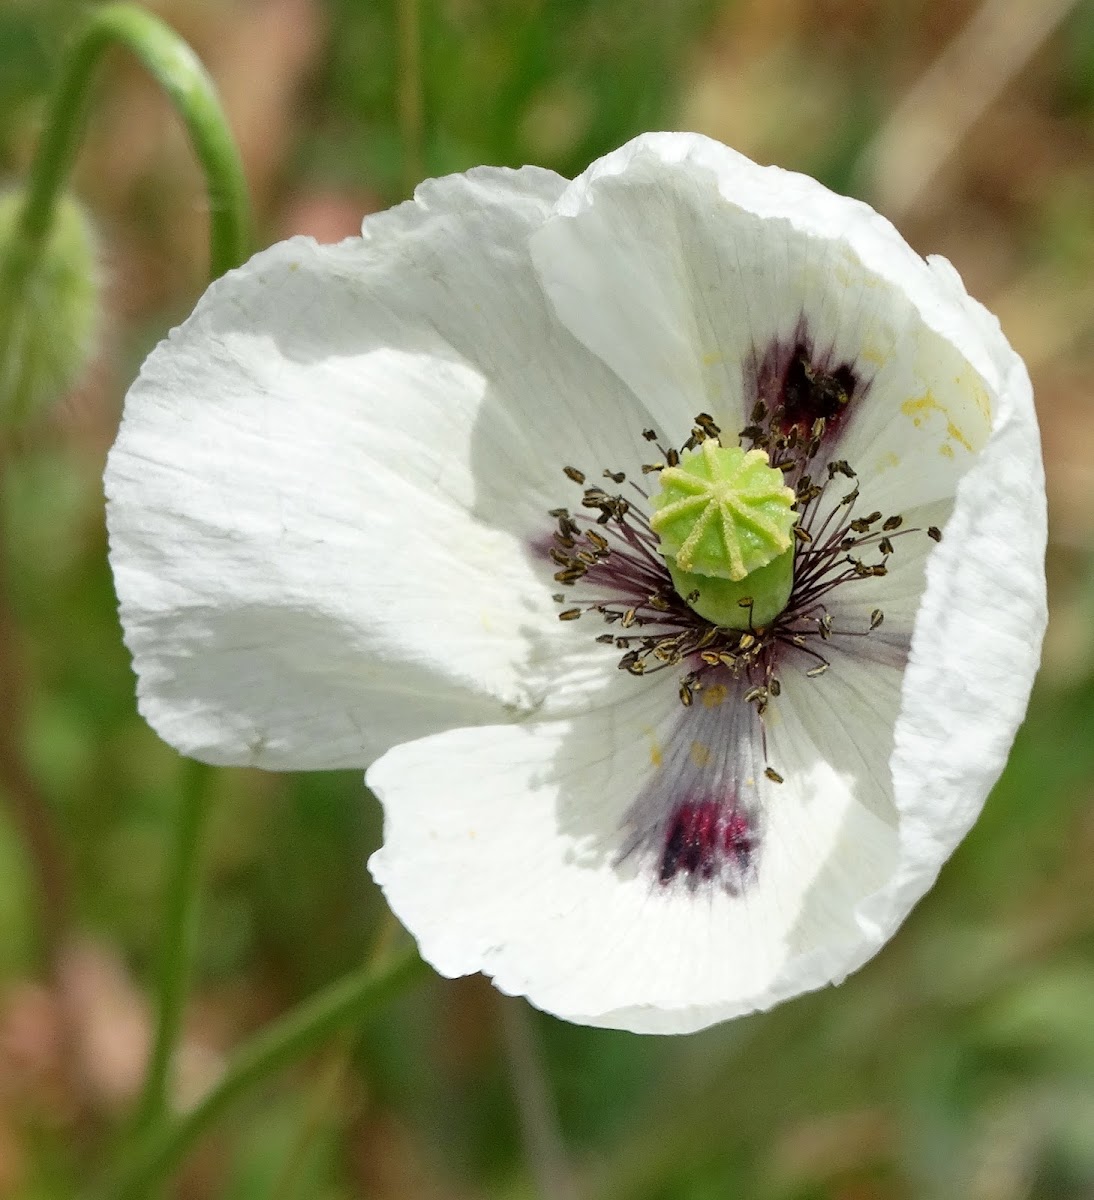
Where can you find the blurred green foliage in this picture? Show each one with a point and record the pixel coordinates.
(959, 1063)
(507, 83)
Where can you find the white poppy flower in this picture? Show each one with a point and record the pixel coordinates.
(354, 492)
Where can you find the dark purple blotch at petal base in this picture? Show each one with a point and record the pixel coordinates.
(696, 821)
(803, 383)
(704, 837)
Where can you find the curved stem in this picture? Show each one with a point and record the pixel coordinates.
(351, 999)
(177, 70)
(180, 919)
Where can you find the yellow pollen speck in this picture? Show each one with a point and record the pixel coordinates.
(955, 433)
(655, 754)
(924, 404)
(946, 450)
(917, 409)
(712, 359)
(700, 754)
(982, 403)
(713, 696)
(887, 462)
(873, 356)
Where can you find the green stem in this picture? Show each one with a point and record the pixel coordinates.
(351, 999)
(180, 928)
(177, 70)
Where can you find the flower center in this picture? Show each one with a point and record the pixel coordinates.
(723, 574)
(725, 518)
(720, 511)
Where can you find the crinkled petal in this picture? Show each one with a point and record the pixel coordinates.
(690, 270)
(544, 855)
(325, 494)
(977, 639)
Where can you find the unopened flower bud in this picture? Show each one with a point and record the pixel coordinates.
(49, 308)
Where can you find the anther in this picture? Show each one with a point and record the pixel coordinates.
(706, 423)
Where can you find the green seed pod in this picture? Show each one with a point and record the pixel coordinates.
(725, 521)
(49, 309)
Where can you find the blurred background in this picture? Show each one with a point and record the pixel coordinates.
(960, 1062)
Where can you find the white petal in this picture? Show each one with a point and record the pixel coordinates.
(977, 640)
(683, 265)
(977, 604)
(518, 851)
(326, 480)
